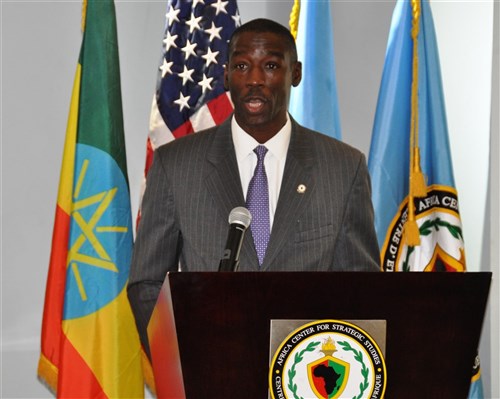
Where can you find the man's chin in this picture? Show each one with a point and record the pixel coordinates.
(254, 121)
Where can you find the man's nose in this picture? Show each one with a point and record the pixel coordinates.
(255, 77)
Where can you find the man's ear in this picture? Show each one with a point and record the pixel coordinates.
(296, 74)
(226, 78)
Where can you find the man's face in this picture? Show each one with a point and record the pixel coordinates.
(259, 77)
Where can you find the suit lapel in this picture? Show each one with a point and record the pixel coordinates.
(293, 198)
(224, 184)
(223, 180)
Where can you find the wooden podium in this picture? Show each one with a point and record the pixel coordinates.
(209, 333)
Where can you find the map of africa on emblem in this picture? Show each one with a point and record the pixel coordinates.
(327, 359)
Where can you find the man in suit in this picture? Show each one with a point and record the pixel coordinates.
(320, 216)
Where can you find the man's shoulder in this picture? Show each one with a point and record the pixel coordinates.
(200, 138)
(189, 140)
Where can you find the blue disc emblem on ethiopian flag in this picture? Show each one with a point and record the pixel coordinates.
(100, 235)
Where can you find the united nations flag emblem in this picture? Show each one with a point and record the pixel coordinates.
(328, 359)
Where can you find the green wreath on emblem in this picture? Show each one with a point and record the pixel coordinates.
(297, 360)
(358, 356)
(426, 229)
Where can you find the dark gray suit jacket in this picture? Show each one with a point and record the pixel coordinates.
(194, 184)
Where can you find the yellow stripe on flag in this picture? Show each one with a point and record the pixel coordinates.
(64, 196)
(107, 349)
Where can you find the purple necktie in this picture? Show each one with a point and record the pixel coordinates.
(258, 205)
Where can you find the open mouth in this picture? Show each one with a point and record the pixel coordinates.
(254, 105)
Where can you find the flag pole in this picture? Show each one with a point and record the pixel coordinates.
(294, 18)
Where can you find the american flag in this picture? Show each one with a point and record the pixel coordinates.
(190, 93)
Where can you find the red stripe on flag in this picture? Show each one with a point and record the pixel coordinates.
(76, 379)
(149, 156)
(56, 283)
(220, 108)
(183, 130)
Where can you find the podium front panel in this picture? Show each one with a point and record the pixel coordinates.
(222, 326)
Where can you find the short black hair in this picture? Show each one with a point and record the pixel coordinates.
(263, 25)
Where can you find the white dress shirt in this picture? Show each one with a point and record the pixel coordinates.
(274, 161)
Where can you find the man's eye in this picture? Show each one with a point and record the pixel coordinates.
(240, 67)
(272, 65)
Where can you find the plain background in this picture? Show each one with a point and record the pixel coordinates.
(40, 42)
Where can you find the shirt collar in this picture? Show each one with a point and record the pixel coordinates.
(244, 144)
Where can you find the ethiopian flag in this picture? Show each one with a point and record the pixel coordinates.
(89, 345)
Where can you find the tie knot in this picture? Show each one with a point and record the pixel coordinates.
(261, 151)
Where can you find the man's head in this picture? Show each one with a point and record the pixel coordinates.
(262, 25)
(261, 70)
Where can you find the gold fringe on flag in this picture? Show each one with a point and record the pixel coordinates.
(147, 371)
(418, 187)
(294, 18)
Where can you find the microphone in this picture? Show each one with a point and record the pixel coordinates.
(239, 220)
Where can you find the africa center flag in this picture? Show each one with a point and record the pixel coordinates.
(417, 223)
(410, 135)
(90, 346)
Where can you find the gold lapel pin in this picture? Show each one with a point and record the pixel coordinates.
(301, 188)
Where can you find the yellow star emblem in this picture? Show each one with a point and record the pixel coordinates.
(89, 228)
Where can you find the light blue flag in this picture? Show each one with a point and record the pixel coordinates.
(313, 102)
(476, 386)
(441, 242)
(390, 147)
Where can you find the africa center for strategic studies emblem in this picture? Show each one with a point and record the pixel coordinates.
(327, 359)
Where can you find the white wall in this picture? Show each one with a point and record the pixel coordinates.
(490, 350)
(40, 41)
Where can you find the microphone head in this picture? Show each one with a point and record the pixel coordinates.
(240, 215)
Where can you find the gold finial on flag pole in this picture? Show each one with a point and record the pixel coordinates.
(417, 185)
(294, 18)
